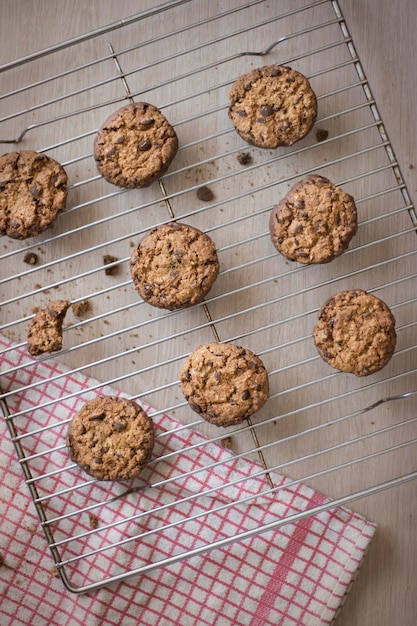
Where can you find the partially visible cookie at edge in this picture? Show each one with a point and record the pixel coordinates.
(314, 222)
(111, 438)
(44, 331)
(135, 146)
(224, 383)
(355, 332)
(174, 266)
(33, 191)
(272, 106)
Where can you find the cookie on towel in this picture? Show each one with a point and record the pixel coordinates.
(111, 438)
(44, 331)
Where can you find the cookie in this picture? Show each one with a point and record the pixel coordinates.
(314, 222)
(135, 146)
(224, 383)
(272, 106)
(111, 438)
(355, 332)
(33, 190)
(44, 332)
(174, 266)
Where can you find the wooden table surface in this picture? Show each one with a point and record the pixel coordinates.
(384, 35)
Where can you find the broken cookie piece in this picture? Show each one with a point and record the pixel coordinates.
(44, 333)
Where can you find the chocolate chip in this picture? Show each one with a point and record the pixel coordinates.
(97, 417)
(119, 139)
(98, 460)
(187, 375)
(217, 376)
(145, 145)
(275, 71)
(119, 426)
(35, 190)
(195, 407)
(266, 110)
(146, 123)
(204, 193)
(245, 395)
(31, 258)
(321, 134)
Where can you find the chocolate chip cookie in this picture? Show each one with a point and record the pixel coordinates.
(355, 332)
(314, 222)
(44, 331)
(33, 190)
(174, 266)
(272, 106)
(135, 146)
(111, 438)
(224, 383)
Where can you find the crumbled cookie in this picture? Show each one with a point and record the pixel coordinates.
(272, 106)
(355, 332)
(44, 332)
(314, 222)
(224, 383)
(135, 146)
(174, 266)
(33, 190)
(111, 438)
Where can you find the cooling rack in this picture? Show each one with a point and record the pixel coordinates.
(346, 437)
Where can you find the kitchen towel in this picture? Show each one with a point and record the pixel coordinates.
(295, 575)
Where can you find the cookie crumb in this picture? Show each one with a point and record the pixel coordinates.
(79, 308)
(411, 166)
(204, 193)
(93, 520)
(244, 158)
(31, 258)
(321, 134)
(226, 442)
(107, 259)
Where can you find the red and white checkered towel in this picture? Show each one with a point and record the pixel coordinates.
(297, 574)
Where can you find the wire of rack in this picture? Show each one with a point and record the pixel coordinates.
(312, 428)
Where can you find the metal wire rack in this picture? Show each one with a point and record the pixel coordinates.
(314, 427)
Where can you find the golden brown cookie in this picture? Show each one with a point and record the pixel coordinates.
(33, 190)
(355, 332)
(111, 438)
(174, 266)
(135, 146)
(44, 332)
(224, 383)
(314, 222)
(272, 106)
